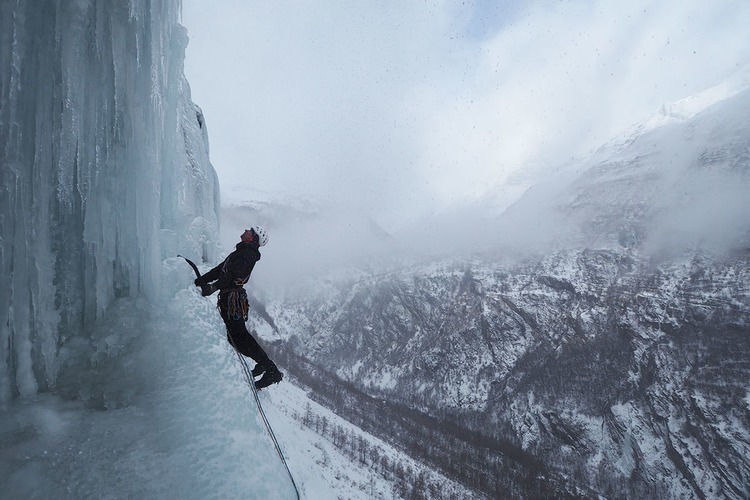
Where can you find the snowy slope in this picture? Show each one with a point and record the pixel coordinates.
(323, 470)
(161, 411)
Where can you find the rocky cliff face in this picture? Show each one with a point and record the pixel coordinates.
(625, 375)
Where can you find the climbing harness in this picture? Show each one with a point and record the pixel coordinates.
(249, 377)
(234, 303)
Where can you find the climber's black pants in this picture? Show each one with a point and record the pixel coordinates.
(233, 307)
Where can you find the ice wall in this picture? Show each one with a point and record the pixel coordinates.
(104, 171)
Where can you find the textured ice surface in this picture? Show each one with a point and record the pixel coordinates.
(161, 411)
(104, 171)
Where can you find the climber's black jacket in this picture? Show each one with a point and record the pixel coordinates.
(235, 270)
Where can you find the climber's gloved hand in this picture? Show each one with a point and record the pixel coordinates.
(208, 289)
(200, 281)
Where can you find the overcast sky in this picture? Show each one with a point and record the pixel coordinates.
(397, 107)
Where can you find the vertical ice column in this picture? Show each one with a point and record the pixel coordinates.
(28, 318)
(99, 160)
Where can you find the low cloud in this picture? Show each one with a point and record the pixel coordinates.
(406, 109)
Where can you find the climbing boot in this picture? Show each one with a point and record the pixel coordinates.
(259, 369)
(272, 375)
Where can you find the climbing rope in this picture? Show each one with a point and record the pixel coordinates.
(251, 382)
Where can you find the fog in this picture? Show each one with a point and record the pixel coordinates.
(715, 221)
(409, 128)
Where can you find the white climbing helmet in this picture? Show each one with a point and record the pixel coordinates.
(262, 235)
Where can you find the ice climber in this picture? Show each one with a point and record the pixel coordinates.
(229, 279)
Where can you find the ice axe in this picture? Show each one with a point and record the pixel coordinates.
(192, 264)
(206, 290)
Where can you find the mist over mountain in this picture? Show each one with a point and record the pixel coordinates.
(600, 323)
(312, 242)
(677, 180)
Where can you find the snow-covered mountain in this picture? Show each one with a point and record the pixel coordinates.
(606, 336)
(663, 186)
(332, 458)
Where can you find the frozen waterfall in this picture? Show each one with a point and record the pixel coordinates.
(115, 378)
(104, 172)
